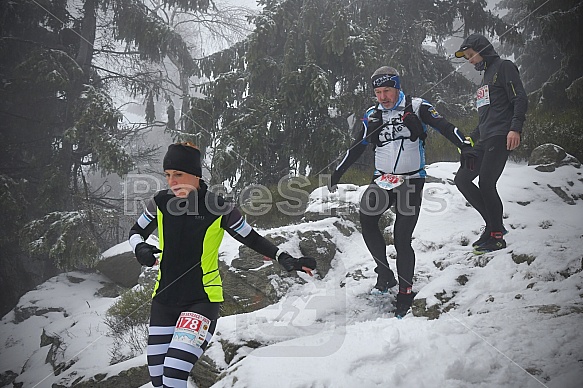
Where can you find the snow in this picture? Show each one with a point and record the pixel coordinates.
(509, 324)
(126, 247)
(117, 249)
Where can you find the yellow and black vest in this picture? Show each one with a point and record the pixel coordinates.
(190, 233)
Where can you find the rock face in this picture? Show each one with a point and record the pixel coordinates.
(548, 157)
(253, 281)
(318, 244)
(130, 378)
(122, 269)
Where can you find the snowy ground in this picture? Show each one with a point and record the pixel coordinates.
(509, 324)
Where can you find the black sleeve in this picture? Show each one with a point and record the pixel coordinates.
(236, 226)
(361, 140)
(516, 94)
(431, 117)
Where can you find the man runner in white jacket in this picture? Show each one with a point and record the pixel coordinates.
(397, 128)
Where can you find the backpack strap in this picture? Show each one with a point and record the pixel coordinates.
(409, 104)
(413, 122)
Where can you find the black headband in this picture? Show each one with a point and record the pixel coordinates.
(386, 80)
(183, 158)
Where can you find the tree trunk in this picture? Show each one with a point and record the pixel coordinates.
(89, 25)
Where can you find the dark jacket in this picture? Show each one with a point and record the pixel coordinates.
(501, 100)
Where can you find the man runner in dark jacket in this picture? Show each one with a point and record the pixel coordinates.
(502, 103)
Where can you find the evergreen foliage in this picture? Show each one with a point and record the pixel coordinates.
(68, 239)
(282, 98)
(550, 58)
(550, 64)
(13, 204)
(281, 204)
(94, 134)
(127, 320)
(563, 128)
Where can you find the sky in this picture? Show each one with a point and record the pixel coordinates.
(509, 325)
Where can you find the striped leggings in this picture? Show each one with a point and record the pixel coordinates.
(170, 361)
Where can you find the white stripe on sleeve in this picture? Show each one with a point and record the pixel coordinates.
(458, 135)
(135, 239)
(242, 228)
(144, 220)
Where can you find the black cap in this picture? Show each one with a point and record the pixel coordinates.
(465, 45)
(460, 52)
(183, 158)
(479, 43)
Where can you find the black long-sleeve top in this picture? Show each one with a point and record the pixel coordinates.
(190, 231)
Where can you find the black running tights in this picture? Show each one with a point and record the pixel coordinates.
(489, 166)
(407, 201)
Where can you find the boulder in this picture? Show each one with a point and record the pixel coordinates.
(547, 157)
(247, 290)
(254, 281)
(131, 378)
(319, 245)
(122, 269)
(205, 372)
(344, 204)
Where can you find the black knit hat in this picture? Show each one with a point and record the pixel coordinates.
(183, 158)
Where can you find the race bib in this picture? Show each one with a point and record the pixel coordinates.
(191, 328)
(389, 181)
(483, 96)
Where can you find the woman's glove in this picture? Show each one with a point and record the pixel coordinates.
(145, 254)
(289, 263)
